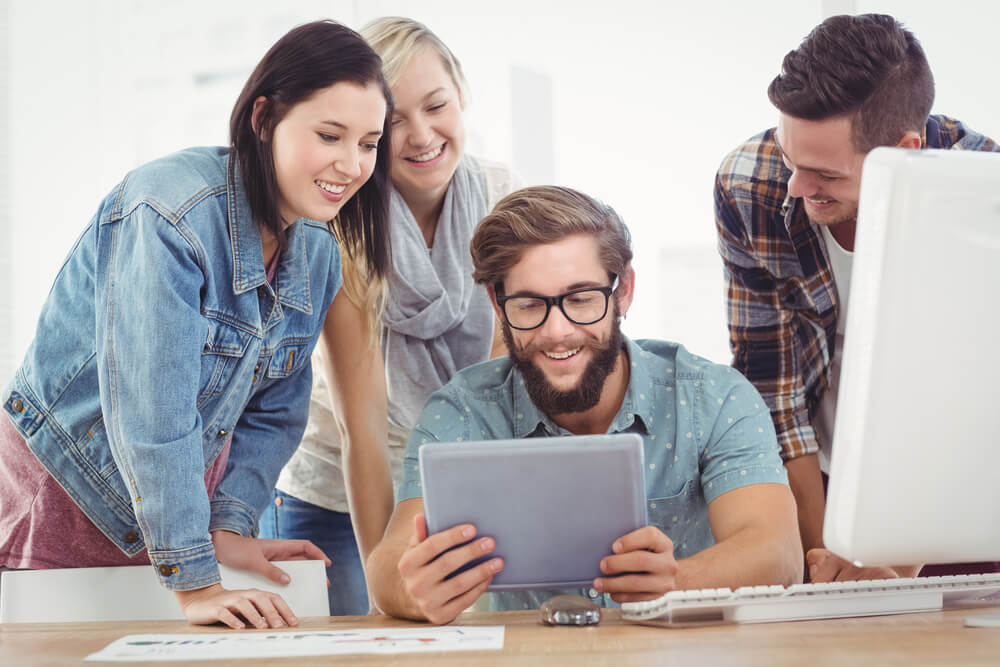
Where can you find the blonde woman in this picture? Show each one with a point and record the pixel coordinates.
(410, 335)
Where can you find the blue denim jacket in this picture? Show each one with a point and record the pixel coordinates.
(160, 338)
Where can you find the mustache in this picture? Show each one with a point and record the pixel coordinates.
(570, 344)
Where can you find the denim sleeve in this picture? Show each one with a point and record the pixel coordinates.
(265, 437)
(149, 337)
(741, 447)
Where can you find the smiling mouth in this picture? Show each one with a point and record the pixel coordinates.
(428, 156)
(332, 188)
(820, 202)
(562, 355)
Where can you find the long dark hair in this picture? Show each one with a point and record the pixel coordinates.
(309, 58)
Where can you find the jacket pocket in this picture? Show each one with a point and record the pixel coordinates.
(289, 357)
(225, 347)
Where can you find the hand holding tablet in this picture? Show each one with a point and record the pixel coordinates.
(429, 562)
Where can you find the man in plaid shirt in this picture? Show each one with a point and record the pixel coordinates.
(786, 205)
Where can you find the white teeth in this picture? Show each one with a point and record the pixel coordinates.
(429, 155)
(819, 201)
(331, 188)
(561, 355)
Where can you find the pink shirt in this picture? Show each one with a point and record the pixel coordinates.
(40, 525)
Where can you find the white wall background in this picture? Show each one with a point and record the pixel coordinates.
(644, 100)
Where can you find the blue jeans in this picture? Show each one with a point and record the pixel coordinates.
(332, 532)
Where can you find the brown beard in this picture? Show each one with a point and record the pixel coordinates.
(587, 393)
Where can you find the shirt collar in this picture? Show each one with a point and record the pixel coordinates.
(249, 272)
(638, 402)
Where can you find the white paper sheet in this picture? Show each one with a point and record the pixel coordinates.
(230, 645)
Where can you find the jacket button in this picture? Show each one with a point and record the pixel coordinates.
(16, 405)
(166, 570)
(131, 537)
(223, 433)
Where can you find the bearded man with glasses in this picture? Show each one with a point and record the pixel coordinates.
(557, 265)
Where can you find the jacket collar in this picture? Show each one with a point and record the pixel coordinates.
(292, 278)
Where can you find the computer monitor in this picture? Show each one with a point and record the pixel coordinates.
(915, 469)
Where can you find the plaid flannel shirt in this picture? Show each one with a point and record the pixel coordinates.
(781, 299)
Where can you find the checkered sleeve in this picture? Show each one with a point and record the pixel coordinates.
(764, 335)
(945, 132)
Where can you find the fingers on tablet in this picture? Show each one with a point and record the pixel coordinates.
(650, 538)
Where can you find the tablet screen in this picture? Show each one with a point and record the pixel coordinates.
(553, 505)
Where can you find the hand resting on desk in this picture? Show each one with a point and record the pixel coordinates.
(824, 565)
(214, 604)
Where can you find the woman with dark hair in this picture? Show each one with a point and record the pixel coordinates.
(429, 321)
(169, 377)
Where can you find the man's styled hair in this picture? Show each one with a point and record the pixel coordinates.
(867, 66)
(545, 214)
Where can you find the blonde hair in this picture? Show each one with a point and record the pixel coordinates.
(396, 39)
(364, 290)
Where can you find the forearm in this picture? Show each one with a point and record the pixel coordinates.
(752, 557)
(756, 541)
(355, 375)
(368, 483)
(806, 481)
(387, 588)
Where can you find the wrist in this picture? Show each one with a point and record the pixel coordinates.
(185, 598)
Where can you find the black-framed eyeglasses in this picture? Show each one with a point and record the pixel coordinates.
(580, 306)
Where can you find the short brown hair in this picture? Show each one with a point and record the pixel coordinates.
(545, 214)
(867, 66)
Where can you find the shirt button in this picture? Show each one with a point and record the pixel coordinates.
(131, 537)
(593, 593)
(166, 570)
(16, 405)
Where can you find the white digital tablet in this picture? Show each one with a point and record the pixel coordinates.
(553, 505)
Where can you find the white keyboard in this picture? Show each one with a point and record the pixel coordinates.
(762, 604)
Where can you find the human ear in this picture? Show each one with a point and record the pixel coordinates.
(491, 290)
(260, 109)
(910, 140)
(626, 290)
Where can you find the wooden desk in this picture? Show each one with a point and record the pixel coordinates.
(932, 638)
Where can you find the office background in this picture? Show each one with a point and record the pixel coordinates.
(635, 102)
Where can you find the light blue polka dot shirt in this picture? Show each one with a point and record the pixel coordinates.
(705, 428)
